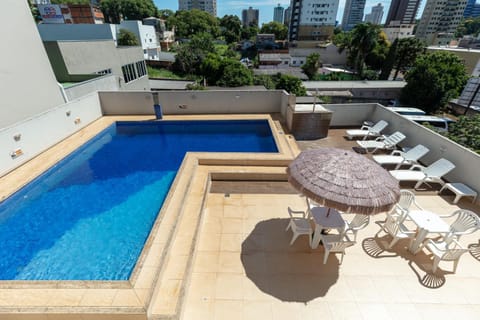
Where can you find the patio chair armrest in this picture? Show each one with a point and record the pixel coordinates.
(417, 167)
(365, 127)
(448, 215)
(397, 153)
(381, 138)
(297, 212)
(417, 205)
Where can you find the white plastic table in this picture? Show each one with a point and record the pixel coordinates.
(460, 190)
(333, 221)
(427, 222)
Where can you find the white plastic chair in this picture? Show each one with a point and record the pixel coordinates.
(359, 222)
(366, 131)
(401, 208)
(400, 158)
(300, 224)
(432, 173)
(394, 227)
(446, 250)
(335, 243)
(383, 143)
(467, 222)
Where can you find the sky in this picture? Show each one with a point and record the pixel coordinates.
(266, 7)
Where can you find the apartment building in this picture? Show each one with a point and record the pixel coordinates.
(250, 17)
(312, 20)
(353, 14)
(439, 21)
(209, 6)
(376, 15)
(402, 12)
(278, 13)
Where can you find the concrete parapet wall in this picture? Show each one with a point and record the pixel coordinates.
(26, 139)
(109, 82)
(194, 102)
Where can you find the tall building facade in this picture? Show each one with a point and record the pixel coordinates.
(209, 6)
(278, 13)
(402, 11)
(376, 15)
(472, 10)
(312, 19)
(250, 17)
(286, 16)
(439, 21)
(353, 14)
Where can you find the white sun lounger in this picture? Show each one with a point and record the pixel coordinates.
(432, 173)
(400, 158)
(366, 131)
(382, 143)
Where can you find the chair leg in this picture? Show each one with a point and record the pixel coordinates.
(394, 241)
(288, 226)
(325, 256)
(455, 264)
(418, 184)
(436, 261)
(341, 259)
(295, 236)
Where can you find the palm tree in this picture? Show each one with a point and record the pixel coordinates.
(364, 39)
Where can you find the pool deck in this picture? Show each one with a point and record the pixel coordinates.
(219, 250)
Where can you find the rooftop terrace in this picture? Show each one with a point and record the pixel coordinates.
(220, 251)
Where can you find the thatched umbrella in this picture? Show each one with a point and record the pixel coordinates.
(343, 180)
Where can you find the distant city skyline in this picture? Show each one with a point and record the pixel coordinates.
(266, 7)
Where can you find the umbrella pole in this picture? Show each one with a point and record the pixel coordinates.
(328, 212)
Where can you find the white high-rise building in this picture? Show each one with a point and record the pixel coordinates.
(376, 15)
(278, 13)
(312, 19)
(209, 6)
(439, 21)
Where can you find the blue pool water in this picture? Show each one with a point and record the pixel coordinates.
(88, 217)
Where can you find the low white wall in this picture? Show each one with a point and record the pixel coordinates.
(44, 130)
(351, 114)
(110, 82)
(194, 102)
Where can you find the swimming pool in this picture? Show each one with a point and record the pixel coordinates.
(87, 218)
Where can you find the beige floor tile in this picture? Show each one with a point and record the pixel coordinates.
(373, 311)
(99, 297)
(126, 298)
(202, 286)
(230, 262)
(232, 225)
(282, 310)
(209, 242)
(229, 286)
(234, 212)
(228, 310)
(231, 242)
(256, 288)
(206, 261)
(345, 310)
(257, 310)
(401, 311)
(198, 310)
(363, 289)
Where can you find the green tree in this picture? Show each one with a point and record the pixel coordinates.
(407, 51)
(190, 55)
(127, 38)
(365, 37)
(264, 80)
(115, 10)
(249, 33)
(290, 84)
(212, 68)
(235, 74)
(434, 79)
(468, 26)
(389, 61)
(278, 29)
(137, 9)
(165, 13)
(190, 22)
(311, 65)
(377, 56)
(231, 27)
(466, 131)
